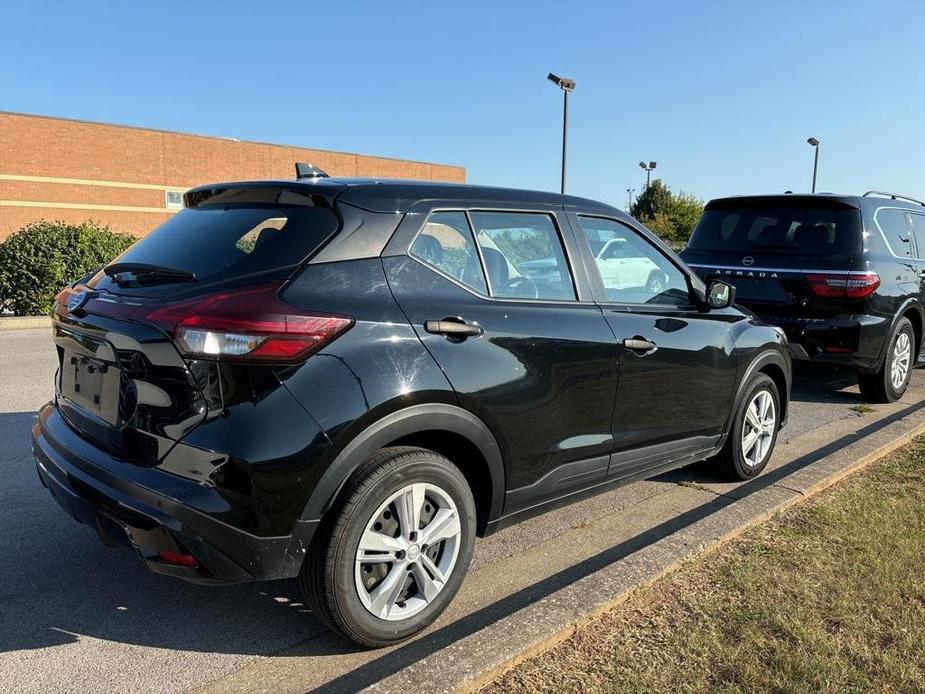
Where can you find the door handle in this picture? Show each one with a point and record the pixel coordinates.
(639, 345)
(453, 327)
(922, 274)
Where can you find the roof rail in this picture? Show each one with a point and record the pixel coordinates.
(893, 196)
(308, 171)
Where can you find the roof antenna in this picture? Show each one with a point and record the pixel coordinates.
(308, 171)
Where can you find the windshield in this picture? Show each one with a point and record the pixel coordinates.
(797, 228)
(216, 241)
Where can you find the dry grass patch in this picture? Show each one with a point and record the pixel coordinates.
(828, 597)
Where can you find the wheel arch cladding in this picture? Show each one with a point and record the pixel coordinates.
(912, 310)
(772, 362)
(449, 430)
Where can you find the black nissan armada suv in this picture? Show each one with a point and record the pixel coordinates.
(843, 275)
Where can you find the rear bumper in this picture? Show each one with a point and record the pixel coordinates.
(148, 516)
(855, 340)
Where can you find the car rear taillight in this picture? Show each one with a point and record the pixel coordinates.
(857, 285)
(249, 324)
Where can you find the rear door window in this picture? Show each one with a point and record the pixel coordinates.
(446, 243)
(798, 228)
(238, 232)
(918, 228)
(523, 255)
(895, 227)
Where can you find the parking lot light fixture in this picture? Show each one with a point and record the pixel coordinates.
(814, 143)
(566, 85)
(648, 169)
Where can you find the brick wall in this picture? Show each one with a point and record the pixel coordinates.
(118, 176)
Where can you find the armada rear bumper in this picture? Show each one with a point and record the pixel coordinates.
(855, 340)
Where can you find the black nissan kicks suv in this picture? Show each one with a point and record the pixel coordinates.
(843, 276)
(348, 380)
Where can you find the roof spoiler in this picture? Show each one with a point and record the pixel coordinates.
(308, 171)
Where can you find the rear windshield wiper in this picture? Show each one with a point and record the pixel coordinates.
(147, 271)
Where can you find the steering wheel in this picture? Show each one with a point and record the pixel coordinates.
(515, 282)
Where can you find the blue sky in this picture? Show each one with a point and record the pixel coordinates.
(722, 94)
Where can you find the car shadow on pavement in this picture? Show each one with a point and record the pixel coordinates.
(824, 384)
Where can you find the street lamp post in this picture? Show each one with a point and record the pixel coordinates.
(815, 145)
(648, 169)
(566, 85)
(629, 198)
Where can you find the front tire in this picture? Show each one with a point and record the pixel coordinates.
(395, 554)
(751, 441)
(890, 382)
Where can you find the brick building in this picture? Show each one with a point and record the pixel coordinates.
(132, 178)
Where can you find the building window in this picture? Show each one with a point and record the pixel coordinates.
(173, 199)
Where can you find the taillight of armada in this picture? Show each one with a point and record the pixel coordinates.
(854, 286)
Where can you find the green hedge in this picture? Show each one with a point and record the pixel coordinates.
(41, 258)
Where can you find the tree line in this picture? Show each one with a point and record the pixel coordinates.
(670, 215)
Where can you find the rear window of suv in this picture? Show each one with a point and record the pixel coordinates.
(798, 227)
(237, 232)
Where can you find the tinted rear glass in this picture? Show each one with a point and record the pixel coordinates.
(779, 227)
(238, 232)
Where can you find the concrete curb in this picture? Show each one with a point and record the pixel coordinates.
(478, 659)
(24, 322)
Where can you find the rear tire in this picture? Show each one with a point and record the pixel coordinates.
(410, 513)
(753, 435)
(890, 382)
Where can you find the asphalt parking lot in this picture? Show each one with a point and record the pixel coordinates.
(76, 616)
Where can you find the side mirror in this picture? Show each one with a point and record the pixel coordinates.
(720, 295)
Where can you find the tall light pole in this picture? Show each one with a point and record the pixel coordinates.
(815, 145)
(566, 85)
(629, 198)
(648, 169)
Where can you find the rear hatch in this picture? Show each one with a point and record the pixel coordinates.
(791, 258)
(141, 344)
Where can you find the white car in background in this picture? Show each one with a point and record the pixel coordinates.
(623, 267)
